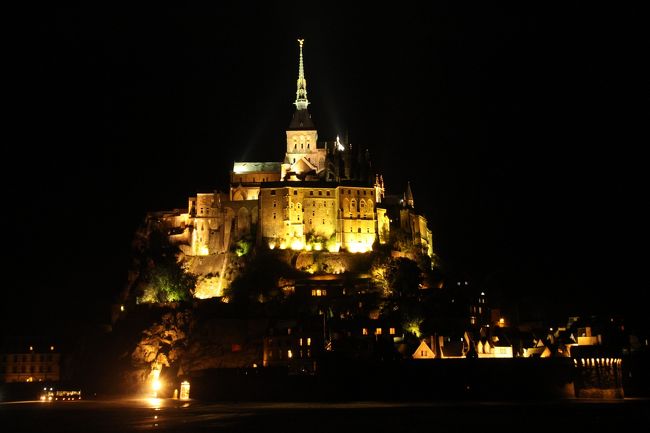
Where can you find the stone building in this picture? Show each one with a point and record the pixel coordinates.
(30, 363)
(322, 196)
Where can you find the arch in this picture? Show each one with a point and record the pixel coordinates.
(239, 195)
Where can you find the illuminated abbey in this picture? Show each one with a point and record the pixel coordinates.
(321, 197)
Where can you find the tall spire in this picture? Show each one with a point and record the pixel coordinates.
(301, 93)
(408, 196)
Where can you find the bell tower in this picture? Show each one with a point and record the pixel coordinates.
(302, 154)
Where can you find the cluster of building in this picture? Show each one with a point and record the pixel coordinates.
(322, 196)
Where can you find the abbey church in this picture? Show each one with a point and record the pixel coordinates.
(322, 196)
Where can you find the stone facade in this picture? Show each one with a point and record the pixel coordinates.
(318, 215)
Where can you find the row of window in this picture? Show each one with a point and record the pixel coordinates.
(289, 354)
(26, 358)
(378, 331)
(328, 193)
(23, 369)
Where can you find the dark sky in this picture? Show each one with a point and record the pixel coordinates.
(516, 125)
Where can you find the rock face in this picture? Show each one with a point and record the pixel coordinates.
(162, 345)
(224, 343)
(185, 341)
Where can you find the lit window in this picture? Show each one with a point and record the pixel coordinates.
(364, 331)
(391, 331)
(300, 341)
(308, 341)
(289, 354)
(378, 331)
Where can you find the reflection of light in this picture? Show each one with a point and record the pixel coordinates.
(154, 402)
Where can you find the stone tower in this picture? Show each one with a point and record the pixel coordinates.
(303, 160)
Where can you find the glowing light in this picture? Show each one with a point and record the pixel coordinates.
(154, 402)
(51, 347)
(297, 245)
(318, 246)
(156, 385)
(185, 390)
(308, 247)
(31, 347)
(204, 251)
(121, 307)
(271, 245)
(339, 146)
(333, 247)
(289, 354)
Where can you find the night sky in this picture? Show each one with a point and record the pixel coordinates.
(516, 126)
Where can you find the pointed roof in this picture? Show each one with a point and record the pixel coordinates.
(301, 118)
(423, 352)
(408, 196)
